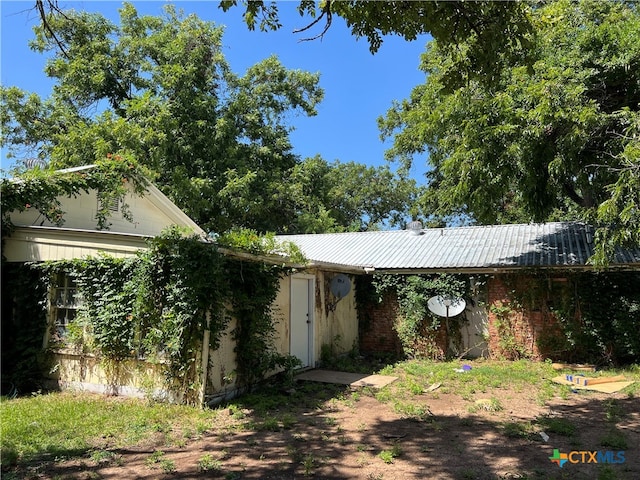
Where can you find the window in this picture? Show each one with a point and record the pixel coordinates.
(65, 303)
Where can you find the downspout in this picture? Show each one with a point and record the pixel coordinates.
(204, 360)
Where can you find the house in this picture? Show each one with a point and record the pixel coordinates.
(500, 261)
(308, 313)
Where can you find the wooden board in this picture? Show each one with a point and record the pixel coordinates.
(610, 387)
(346, 378)
(578, 367)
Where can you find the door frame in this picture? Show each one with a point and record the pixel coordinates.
(311, 283)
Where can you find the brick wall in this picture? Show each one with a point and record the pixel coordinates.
(515, 334)
(376, 327)
(516, 331)
(377, 334)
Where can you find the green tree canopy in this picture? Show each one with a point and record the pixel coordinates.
(491, 31)
(556, 140)
(158, 89)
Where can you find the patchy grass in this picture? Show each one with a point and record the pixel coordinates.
(63, 426)
(38, 426)
(557, 425)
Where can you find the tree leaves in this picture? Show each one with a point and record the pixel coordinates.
(159, 90)
(542, 142)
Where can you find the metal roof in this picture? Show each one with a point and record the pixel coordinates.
(495, 247)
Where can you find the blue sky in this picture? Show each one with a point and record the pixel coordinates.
(359, 86)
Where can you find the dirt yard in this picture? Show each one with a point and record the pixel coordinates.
(331, 432)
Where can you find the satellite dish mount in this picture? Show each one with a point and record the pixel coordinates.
(340, 287)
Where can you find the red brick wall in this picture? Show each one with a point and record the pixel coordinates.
(516, 333)
(517, 337)
(376, 327)
(377, 333)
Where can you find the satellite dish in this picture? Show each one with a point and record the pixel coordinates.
(446, 306)
(340, 286)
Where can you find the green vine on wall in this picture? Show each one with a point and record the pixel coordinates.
(511, 347)
(158, 305)
(416, 326)
(24, 323)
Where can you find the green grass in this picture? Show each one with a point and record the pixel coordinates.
(40, 426)
(417, 375)
(66, 425)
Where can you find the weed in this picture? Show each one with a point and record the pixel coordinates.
(557, 425)
(154, 458)
(489, 405)
(288, 421)
(413, 411)
(518, 429)
(388, 456)
(168, 466)
(105, 457)
(269, 424)
(208, 463)
(613, 410)
(330, 421)
(294, 453)
(309, 464)
(614, 439)
(466, 422)
(413, 386)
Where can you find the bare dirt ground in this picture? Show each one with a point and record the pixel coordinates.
(344, 434)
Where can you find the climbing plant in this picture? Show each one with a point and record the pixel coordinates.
(255, 286)
(416, 326)
(41, 188)
(158, 305)
(599, 315)
(24, 322)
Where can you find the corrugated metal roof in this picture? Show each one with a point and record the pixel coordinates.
(562, 244)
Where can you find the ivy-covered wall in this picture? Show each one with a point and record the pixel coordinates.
(569, 316)
(24, 322)
(156, 307)
(577, 316)
(394, 317)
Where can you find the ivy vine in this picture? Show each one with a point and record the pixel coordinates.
(41, 189)
(416, 326)
(158, 305)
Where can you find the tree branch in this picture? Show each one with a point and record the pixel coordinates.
(42, 11)
(325, 11)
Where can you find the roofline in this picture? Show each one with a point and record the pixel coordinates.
(513, 269)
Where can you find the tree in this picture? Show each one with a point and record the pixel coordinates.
(491, 31)
(159, 90)
(336, 197)
(556, 140)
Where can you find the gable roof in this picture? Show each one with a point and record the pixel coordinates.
(37, 239)
(459, 249)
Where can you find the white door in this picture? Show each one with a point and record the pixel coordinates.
(301, 338)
